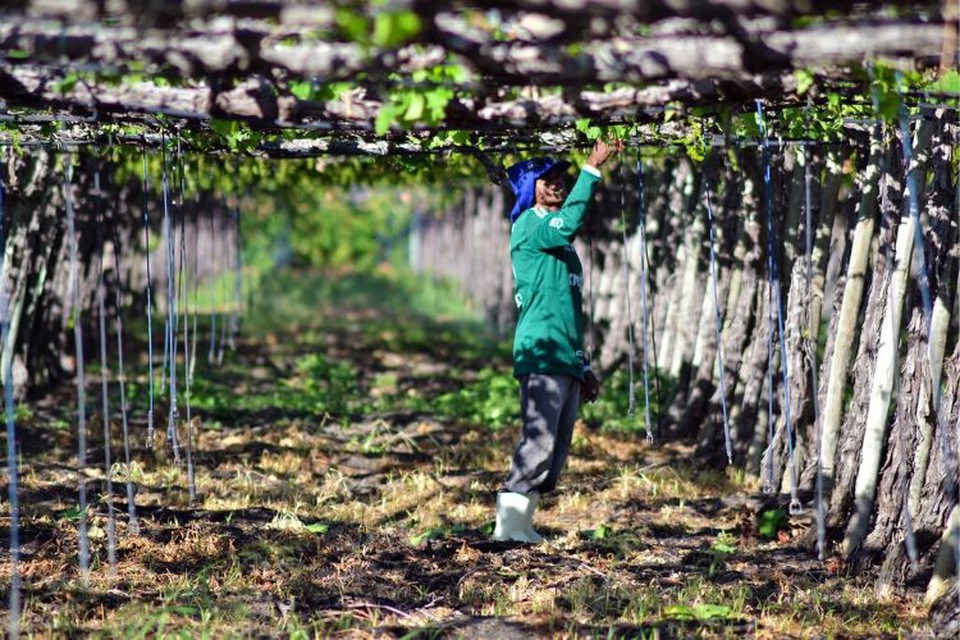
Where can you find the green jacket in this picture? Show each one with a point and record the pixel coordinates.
(549, 285)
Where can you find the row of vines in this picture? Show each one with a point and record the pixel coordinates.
(838, 328)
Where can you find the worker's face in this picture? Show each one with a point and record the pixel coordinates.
(551, 189)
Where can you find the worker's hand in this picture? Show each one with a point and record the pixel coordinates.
(602, 151)
(589, 388)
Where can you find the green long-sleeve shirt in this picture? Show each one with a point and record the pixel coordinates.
(549, 285)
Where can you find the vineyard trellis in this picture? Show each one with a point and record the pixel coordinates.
(895, 515)
(790, 223)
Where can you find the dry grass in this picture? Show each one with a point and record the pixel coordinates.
(377, 526)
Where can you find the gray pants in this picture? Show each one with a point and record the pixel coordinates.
(549, 404)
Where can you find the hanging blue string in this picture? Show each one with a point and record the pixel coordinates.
(169, 229)
(642, 232)
(184, 303)
(728, 442)
(13, 469)
(224, 294)
(104, 382)
(196, 284)
(133, 525)
(237, 275)
(771, 386)
(631, 341)
(146, 251)
(795, 505)
(84, 540)
(215, 297)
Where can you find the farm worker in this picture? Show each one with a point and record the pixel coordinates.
(548, 354)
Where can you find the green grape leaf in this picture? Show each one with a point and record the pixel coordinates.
(437, 101)
(393, 28)
(301, 90)
(805, 80)
(353, 24)
(222, 127)
(331, 90)
(385, 117)
(949, 82)
(590, 131)
(414, 111)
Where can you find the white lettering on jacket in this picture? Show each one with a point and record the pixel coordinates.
(576, 280)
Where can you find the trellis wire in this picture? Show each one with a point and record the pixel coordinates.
(146, 251)
(192, 356)
(196, 288)
(771, 386)
(166, 335)
(644, 311)
(183, 316)
(104, 382)
(133, 525)
(165, 234)
(13, 469)
(237, 276)
(795, 505)
(83, 537)
(728, 443)
(169, 229)
(631, 342)
(222, 284)
(211, 354)
(184, 294)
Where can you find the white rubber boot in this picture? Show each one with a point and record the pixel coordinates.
(515, 517)
(532, 536)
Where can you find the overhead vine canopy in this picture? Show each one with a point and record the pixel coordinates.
(408, 75)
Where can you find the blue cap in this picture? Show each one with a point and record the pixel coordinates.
(523, 179)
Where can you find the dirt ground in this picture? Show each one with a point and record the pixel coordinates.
(377, 524)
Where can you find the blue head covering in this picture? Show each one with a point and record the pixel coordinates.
(523, 179)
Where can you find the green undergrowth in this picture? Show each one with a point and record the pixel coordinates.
(347, 457)
(288, 298)
(615, 411)
(490, 399)
(334, 329)
(315, 387)
(342, 343)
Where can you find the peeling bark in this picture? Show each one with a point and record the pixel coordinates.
(887, 539)
(229, 51)
(876, 426)
(846, 325)
(850, 433)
